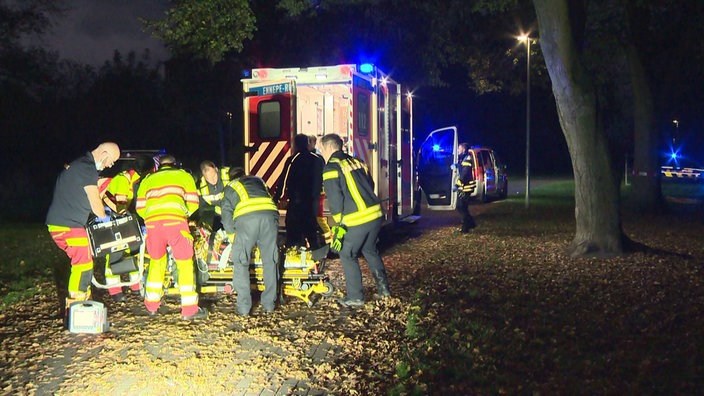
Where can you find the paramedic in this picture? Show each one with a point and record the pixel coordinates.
(357, 211)
(210, 188)
(465, 185)
(320, 216)
(250, 217)
(76, 196)
(119, 196)
(165, 199)
(301, 182)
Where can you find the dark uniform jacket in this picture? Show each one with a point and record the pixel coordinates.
(465, 182)
(350, 190)
(246, 196)
(301, 179)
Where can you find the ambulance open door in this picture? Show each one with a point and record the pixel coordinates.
(270, 125)
(435, 174)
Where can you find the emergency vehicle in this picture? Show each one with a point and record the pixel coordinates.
(369, 110)
(436, 177)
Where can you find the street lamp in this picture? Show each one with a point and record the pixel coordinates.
(525, 38)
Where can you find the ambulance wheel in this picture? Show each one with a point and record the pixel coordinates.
(329, 291)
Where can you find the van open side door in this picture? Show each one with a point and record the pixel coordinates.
(435, 174)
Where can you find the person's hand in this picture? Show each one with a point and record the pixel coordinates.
(338, 234)
(453, 166)
(105, 219)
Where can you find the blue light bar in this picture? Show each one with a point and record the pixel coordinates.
(436, 147)
(366, 68)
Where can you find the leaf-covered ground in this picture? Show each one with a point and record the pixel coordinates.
(502, 310)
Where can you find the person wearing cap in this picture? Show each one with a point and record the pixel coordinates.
(76, 198)
(165, 200)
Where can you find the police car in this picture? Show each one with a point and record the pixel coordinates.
(436, 177)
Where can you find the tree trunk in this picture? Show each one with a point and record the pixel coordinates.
(646, 192)
(596, 189)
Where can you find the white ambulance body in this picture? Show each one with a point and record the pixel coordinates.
(370, 111)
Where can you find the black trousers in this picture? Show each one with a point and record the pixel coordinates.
(463, 209)
(301, 225)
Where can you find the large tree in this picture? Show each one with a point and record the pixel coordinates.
(460, 32)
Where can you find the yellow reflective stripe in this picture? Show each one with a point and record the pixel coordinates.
(55, 228)
(77, 241)
(241, 191)
(337, 217)
(254, 205)
(363, 216)
(331, 174)
(347, 167)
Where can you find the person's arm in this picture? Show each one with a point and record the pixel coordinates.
(96, 204)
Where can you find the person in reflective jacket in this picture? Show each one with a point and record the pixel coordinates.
(250, 217)
(210, 189)
(465, 185)
(357, 211)
(165, 200)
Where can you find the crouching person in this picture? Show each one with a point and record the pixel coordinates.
(250, 217)
(165, 199)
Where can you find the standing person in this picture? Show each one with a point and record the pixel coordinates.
(320, 212)
(250, 217)
(120, 196)
(465, 186)
(357, 210)
(165, 200)
(210, 189)
(76, 196)
(301, 182)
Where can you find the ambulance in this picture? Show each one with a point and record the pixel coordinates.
(365, 106)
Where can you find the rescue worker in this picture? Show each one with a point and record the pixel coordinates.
(464, 186)
(119, 196)
(165, 200)
(210, 189)
(320, 216)
(76, 196)
(301, 182)
(357, 211)
(250, 217)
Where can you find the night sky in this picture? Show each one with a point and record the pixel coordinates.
(93, 29)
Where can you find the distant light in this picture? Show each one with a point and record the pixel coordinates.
(436, 147)
(383, 81)
(245, 73)
(673, 156)
(321, 76)
(366, 67)
(409, 95)
(523, 37)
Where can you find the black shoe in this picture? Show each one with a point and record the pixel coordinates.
(354, 303)
(200, 314)
(119, 297)
(135, 293)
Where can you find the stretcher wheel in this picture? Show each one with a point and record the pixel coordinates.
(329, 291)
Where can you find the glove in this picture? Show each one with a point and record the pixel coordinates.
(453, 166)
(105, 219)
(338, 234)
(454, 188)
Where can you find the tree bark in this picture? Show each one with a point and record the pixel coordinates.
(596, 188)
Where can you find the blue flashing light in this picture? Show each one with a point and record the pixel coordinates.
(436, 147)
(366, 68)
(673, 156)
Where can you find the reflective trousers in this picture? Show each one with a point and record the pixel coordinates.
(74, 241)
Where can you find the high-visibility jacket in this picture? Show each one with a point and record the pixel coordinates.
(167, 194)
(121, 188)
(350, 190)
(465, 182)
(246, 195)
(210, 195)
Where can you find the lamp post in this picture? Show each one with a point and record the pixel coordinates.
(525, 38)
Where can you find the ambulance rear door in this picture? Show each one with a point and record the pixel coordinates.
(435, 174)
(269, 109)
(363, 137)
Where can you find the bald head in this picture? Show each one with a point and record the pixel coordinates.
(105, 155)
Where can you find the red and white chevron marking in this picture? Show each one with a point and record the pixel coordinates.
(268, 162)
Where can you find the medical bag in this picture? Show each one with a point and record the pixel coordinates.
(117, 235)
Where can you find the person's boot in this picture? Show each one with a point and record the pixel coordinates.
(382, 285)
